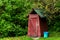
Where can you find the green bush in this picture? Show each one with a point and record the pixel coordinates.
(55, 24)
(13, 20)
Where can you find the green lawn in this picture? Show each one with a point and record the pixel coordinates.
(50, 38)
(17, 38)
(28, 38)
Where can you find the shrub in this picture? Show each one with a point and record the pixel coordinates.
(13, 20)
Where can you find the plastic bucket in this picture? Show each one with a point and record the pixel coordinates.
(45, 34)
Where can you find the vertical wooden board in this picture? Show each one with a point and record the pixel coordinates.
(29, 28)
(41, 27)
(38, 28)
(33, 26)
(45, 26)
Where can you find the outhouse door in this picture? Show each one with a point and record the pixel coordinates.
(34, 25)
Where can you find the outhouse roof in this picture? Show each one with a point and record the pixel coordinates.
(40, 12)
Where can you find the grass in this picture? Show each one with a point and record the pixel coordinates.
(17, 38)
(50, 38)
(28, 38)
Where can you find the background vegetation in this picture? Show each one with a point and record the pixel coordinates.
(13, 15)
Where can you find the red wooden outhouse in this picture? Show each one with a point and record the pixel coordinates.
(36, 23)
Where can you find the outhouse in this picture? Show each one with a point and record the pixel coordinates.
(36, 23)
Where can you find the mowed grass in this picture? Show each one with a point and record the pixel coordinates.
(50, 38)
(17, 38)
(29, 38)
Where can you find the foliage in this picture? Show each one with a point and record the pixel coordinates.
(13, 20)
(52, 12)
(13, 15)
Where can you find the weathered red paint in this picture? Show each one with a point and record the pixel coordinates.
(36, 25)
